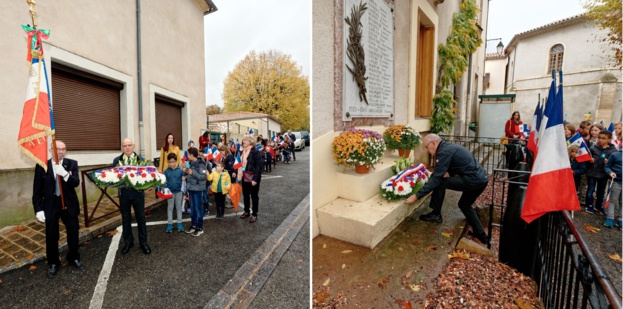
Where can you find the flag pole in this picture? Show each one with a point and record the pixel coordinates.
(33, 15)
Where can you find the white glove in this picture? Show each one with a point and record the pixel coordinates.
(60, 170)
(40, 216)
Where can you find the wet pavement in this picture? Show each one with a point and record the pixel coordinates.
(234, 263)
(401, 268)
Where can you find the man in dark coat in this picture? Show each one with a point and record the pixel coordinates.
(131, 198)
(46, 199)
(455, 169)
(292, 139)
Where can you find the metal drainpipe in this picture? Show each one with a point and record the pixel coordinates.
(141, 129)
(469, 94)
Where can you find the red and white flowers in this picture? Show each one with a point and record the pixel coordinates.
(406, 183)
(137, 177)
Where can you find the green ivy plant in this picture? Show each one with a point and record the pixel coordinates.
(463, 41)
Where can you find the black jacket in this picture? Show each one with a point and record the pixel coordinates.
(457, 161)
(44, 187)
(255, 164)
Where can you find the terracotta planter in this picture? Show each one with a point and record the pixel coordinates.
(362, 169)
(404, 153)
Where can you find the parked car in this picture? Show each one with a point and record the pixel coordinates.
(299, 143)
(305, 135)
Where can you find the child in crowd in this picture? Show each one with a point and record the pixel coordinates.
(268, 163)
(285, 152)
(175, 176)
(191, 144)
(585, 128)
(578, 168)
(220, 186)
(594, 134)
(569, 131)
(273, 152)
(613, 169)
(596, 174)
(196, 182)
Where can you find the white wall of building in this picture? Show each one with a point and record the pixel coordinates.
(585, 68)
(496, 68)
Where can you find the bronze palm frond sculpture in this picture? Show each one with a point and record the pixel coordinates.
(355, 51)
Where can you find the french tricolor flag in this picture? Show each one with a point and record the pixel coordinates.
(553, 168)
(216, 155)
(584, 153)
(533, 137)
(238, 162)
(208, 153)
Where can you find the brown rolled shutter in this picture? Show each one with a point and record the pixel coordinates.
(86, 110)
(168, 120)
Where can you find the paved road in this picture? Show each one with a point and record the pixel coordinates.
(265, 264)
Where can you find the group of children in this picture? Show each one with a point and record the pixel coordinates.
(604, 164)
(196, 173)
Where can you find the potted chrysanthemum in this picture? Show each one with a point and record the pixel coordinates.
(359, 148)
(403, 138)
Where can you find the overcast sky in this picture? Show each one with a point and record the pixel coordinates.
(240, 26)
(510, 17)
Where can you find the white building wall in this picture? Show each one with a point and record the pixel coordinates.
(496, 68)
(584, 66)
(99, 37)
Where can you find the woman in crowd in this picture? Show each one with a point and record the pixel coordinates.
(250, 175)
(512, 127)
(168, 147)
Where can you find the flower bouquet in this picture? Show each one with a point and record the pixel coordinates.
(406, 183)
(358, 147)
(137, 177)
(401, 137)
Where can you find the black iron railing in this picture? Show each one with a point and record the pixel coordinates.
(566, 271)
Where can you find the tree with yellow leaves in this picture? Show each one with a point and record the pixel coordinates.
(269, 83)
(607, 15)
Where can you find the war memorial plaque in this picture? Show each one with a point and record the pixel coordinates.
(370, 64)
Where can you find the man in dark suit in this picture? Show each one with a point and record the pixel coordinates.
(46, 199)
(131, 198)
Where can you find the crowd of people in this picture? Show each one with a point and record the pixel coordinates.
(213, 167)
(596, 169)
(592, 177)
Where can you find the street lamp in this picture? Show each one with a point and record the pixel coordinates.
(500, 47)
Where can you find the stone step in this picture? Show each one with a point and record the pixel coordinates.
(362, 187)
(364, 223)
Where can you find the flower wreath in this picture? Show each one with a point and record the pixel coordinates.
(406, 183)
(137, 177)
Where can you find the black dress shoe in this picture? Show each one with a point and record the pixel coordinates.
(146, 249)
(483, 238)
(431, 217)
(76, 263)
(52, 271)
(127, 248)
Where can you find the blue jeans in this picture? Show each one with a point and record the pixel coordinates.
(196, 209)
(600, 184)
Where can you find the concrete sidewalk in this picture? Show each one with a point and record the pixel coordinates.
(24, 244)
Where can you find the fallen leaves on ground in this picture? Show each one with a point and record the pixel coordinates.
(30, 257)
(324, 246)
(19, 228)
(446, 234)
(67, 292)
(615, 257)
(480, 282)
(299, 261)
(322, 299)
(112, 233)
(429, 248)
(1, 282)
(326, 282)
(591, 228)
(404, 304)
(343, 266)
(32, 267)
(347, 251)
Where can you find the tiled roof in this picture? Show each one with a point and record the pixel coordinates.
(550, 26)
(495, 56)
